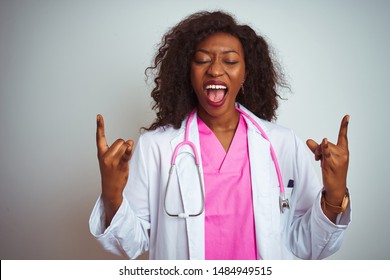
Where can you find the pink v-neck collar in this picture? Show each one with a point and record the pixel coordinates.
(217, 159)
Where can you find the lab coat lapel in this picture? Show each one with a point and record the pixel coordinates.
(264, 189)
(188, 180)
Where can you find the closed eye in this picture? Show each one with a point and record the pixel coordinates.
(201, 61)
(231, 62)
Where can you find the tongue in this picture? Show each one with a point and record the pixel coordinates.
(216, 95)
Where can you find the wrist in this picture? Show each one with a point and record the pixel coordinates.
(335, 196)
(111, 199)
(334, 204)
(110, 190)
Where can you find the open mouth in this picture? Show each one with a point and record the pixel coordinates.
(216, 93)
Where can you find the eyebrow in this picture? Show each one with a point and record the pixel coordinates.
(225, 52)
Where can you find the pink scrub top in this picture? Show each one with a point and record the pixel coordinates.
(229, 218)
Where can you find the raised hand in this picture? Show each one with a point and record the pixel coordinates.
(334, 163)
(114, 169)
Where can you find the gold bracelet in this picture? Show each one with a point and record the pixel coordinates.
(334, 208)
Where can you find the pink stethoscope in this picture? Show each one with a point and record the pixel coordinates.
(283, 202)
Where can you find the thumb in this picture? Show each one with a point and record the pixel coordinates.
(314, 147)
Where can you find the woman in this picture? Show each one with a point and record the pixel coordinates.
(216, 87)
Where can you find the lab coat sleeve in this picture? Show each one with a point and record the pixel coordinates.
(127, 234)
(312, 235)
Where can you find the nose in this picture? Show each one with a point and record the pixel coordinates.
(216, 69)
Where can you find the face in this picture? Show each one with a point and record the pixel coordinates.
(217, 73)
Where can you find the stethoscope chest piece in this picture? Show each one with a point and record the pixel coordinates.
(284, 203)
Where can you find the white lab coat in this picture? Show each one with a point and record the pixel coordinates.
(141, 223)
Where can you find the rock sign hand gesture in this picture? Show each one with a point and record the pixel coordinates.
(334, 165)
(114, 169)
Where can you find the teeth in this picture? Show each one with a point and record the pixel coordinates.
(215, 87)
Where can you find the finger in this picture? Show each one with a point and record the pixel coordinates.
(328, 155)
(342, 140)
(128, 152)
(119, 151)
(315, 148)
(325, 151)
(100, 136)
(116, 149)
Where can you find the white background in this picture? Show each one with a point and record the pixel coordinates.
(62, 62)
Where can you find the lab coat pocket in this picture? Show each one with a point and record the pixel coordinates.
(280, 207)
(285, 214)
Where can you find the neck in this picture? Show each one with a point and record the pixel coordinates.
(226, 121)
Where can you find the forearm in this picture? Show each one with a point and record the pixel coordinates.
(111, 206)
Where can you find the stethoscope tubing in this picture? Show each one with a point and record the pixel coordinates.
(273, 154)
(284, 203)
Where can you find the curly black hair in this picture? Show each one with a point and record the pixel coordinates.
(173, 95)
